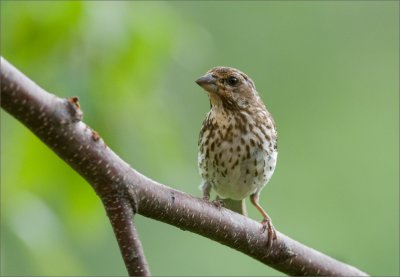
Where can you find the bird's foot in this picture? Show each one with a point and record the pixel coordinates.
(267, 226)
(218, 203)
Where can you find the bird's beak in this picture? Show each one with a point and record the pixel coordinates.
(208, 82)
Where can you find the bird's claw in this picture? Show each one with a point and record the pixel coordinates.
(218, 203)
(267, 226)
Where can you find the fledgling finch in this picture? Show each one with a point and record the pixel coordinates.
(237, 143)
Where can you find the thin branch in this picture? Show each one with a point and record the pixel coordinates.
(120, 213)
(57, 122)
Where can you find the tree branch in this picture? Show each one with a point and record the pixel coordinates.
(123, 191)
(120, 213)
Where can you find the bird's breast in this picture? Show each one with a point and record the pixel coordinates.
(237, 155)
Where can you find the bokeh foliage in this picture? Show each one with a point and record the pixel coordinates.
(328, 71)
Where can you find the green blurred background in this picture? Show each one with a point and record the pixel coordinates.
(328, 72)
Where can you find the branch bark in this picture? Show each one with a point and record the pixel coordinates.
(124, 191)
(120, 213)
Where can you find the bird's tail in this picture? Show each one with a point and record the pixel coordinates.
(238, 206)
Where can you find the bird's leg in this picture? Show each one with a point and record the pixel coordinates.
(267, 224)
(206, 189)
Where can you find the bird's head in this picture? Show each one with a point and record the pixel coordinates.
(229, 88)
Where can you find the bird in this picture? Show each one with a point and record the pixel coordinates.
(237, 143)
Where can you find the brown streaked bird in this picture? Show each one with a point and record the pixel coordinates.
(237, 143)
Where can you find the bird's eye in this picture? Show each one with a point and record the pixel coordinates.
(232, 81)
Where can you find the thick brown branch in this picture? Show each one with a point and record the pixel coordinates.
(57, 123)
